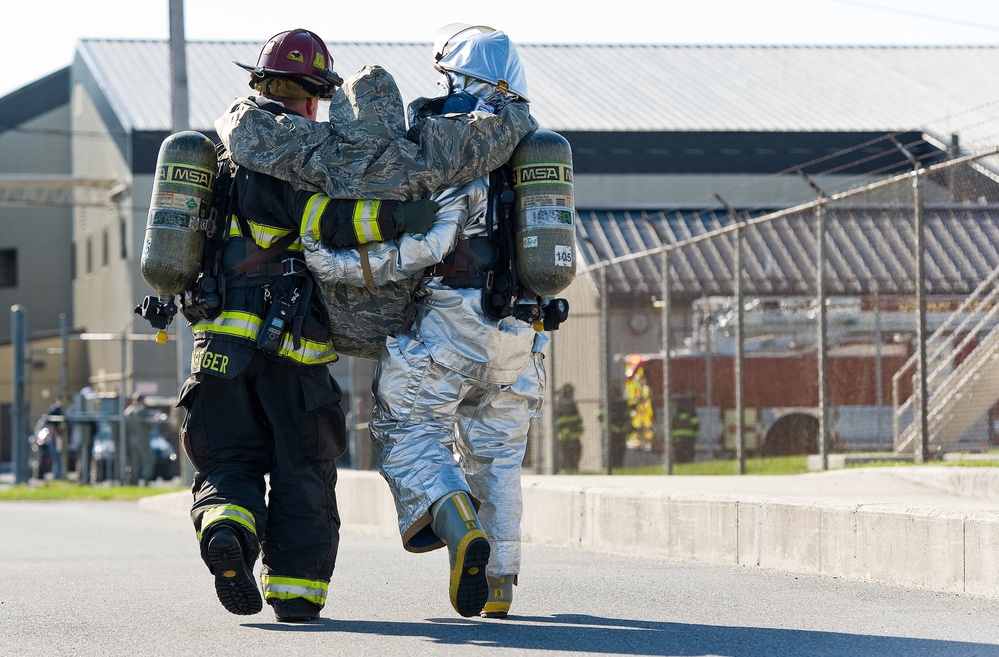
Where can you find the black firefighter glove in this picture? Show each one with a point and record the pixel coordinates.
(414, 216)
(351, 223)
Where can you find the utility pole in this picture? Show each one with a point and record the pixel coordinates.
(180, 120)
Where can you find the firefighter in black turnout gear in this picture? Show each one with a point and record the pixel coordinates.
(261, 400)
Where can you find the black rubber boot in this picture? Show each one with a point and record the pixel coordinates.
(295, 610)
(234, 581)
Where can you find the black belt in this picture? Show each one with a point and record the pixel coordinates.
(465, 267)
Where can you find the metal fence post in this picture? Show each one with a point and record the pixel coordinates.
(667, 416)
(122, 456)
(605, 359)
(19, 415)
(823, 337)
(545, 461)
(922, 451)
(740, 355)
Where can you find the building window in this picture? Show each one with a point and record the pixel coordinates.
(105, 247)
(88, 256)
(8, 268)
(123, 237)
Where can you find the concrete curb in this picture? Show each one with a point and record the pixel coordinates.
(942, 549)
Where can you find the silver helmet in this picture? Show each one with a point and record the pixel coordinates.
(483, 53)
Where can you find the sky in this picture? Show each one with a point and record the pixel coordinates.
(40, 37)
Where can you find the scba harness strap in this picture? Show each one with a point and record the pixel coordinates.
(205, 300)
(500, 288)
(286, 309)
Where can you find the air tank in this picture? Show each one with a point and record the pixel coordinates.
(544, 213)
(175, 229)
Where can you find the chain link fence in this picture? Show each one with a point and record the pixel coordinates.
(70, 393)
(860, 323)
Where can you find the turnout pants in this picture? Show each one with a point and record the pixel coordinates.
(421, 410)
(279, 419)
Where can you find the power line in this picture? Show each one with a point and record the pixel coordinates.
(916, 14)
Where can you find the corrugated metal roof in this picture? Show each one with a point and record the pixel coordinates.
(662, 88)
(625, 87)
(869, 249)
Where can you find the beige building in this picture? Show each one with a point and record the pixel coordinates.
(656, 131)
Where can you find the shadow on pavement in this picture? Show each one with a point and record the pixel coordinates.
(582, 634)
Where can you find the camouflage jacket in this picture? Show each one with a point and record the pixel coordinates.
(364, 150)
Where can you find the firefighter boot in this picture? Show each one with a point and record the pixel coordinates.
(295, 610)
(233, 575)
(500, 596)
(455, 523)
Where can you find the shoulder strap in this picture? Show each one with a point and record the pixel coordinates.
(257, 257)
(221, 202)
(500, 287)
(262, 256)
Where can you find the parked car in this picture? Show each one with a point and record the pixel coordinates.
(103, 454)
(41, 459)
(44, 445)
(165, 463)
(104, 459)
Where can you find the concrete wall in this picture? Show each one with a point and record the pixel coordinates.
(912, 545)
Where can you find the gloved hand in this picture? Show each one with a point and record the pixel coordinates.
(414, 216)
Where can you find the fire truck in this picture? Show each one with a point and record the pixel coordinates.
(868, 341)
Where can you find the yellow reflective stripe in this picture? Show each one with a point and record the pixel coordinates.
(246, 325)
(230, 512)
(314, 209)
(284, 588)
(310, 352)
(232, 322)
(264, 236)
(366, 226)
(234, 230)
(463, 504)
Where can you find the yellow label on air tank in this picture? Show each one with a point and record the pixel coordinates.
(542, 173)
(186, 174)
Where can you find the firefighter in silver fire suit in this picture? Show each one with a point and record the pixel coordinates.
(457, 378)
(261, 401)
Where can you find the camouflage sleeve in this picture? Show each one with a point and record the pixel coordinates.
(456, 149)
(441, 152)
(445, 151)
(277, 145)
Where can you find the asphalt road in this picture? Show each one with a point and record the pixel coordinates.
(104, 578)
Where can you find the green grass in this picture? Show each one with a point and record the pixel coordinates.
(783, 465)
(780, 465)
(65, 490)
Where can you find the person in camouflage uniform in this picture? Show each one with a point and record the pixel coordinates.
(365, 151)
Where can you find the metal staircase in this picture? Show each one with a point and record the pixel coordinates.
(959, 393)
